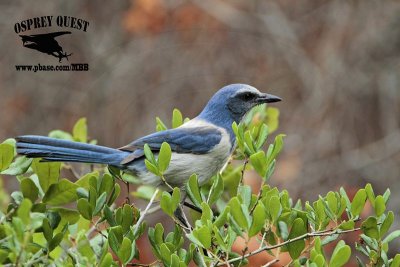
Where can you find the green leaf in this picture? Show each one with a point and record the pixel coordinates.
(6, 155)
(70, 216)
(101, 200)
(320, 210)
(332, 202)
(347, 225)
(238, 213)
(220, 240)
(396, 261)
(177, 119)
(23, 211)
(203, 234)
(274, 207)
(85, 209)
(298, 229)
(47, 230)
(319, 260)
(107, 183)
(29, 189)
(79, 131)
(244, 192)
(174, 261)
(19, 166)
(61, 135)
(380, 206)
(107, 260)
(3, 255)
(272, 118)
(82, 192)
(160, 125)
(341, 255)
(170, 203)
(249, 142)
(84, 180)
(61, 193)
(109, 216)
(270, 171)
(262, 136)
(393, 235)
(370, 194)
(259, 163)
(278, 145)
(193, 191)
(159, 234)
(206, 214)
(55, 241)
(176, 197)
(115, 237)
(47, 172)
(358, 202)
(385, 226)
(216, 190)
(127, 217)
(283, 229)
(54, 218)
(149, 154)
(222, 218)
(259, 217)
(165, 253)
(126, 250)
(151, 167)
(164, 157)
(370, 227)
(114, 194)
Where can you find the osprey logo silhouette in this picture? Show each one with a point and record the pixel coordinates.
(46, 43)
(47, 35)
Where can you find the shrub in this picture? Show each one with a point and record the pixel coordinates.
(55, 221)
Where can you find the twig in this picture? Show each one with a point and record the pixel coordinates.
(5, 216)
(306, 235)
(189, 228)
(258, 197)
(141, 264)
(128, 193)
(142, 215)
(243, 169)
(166, 183)
(270, 263)
(263, 239)
(94, 228)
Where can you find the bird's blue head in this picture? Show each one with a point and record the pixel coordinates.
(232, 102)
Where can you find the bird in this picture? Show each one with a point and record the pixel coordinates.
(201, 146)
(46, 43)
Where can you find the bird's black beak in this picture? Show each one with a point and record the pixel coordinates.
(268, 98)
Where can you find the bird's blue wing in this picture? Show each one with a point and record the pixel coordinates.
(196, 140)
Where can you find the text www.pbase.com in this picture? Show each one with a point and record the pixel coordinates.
(39, 67)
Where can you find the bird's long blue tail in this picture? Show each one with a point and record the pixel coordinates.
(51, 149)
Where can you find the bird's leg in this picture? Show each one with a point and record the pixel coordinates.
(191, 206)
(180, 215)
(67, 55)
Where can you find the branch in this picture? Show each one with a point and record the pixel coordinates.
(306, 235)
(242, 171)
(270, 263)
(142, 215)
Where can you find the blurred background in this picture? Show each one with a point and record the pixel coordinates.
(335, 63)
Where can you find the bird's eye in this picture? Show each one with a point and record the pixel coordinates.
(247, 96)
